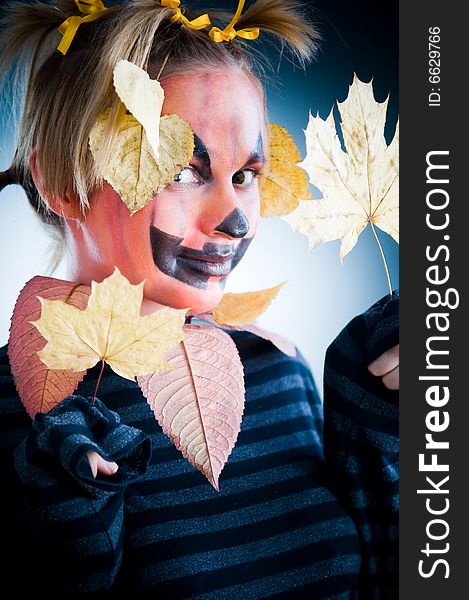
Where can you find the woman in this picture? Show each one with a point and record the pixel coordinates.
(136, 517)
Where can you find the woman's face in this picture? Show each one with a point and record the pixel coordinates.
(185, 242)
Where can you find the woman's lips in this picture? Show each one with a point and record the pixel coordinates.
(212, 265)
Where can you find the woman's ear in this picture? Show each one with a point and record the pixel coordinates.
(67, 207)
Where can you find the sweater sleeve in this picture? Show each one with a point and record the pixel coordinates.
(361, 442)
(68, 526)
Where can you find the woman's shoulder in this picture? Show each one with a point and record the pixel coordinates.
(254, 347)
(8, 393)
(6, 377)
(14, 420)
(265, 364)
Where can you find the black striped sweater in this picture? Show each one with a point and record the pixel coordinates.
(293, 518)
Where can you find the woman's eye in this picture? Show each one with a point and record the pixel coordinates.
(187, 175)
(244, 177)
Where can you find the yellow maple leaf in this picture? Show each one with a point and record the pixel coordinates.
(359, 186)
(109, 329)
(243, 309)
(283, 183)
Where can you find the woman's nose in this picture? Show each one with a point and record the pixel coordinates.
(223, 213)
(235, 224)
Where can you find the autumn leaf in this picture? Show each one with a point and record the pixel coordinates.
(243, 309)
(200, 402)
(110, 329)
(283, 183)
(40, 388)
(149, 150)
(132, 169)
(143, 97)
(359, 186)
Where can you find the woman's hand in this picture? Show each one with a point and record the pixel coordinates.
(386, 366)
(99, 465)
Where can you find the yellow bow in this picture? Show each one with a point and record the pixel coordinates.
(93, 9)
(199, 23)
(225, 35)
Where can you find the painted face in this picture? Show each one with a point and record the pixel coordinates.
(186, 241)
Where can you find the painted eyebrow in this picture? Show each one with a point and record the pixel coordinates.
(257, 155)
(201, 152)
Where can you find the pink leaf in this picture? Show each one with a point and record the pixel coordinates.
(40, 388)
(282, 343)
(200, 403)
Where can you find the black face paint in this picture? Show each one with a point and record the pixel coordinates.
(200, 150)
(194, 267)
(257, 154)
(235, 224)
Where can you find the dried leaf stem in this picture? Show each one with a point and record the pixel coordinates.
(99, 380)
(383, 258)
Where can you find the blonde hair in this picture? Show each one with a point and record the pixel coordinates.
(63, 95)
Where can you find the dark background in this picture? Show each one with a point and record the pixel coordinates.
(357, 36)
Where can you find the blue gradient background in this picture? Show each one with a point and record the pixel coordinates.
(321, 295)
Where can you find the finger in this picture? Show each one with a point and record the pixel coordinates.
(391, 380)
(105, 467)
(99, 465)
(93, 460)
(385, 363)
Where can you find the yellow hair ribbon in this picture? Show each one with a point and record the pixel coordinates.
(199, 23)
(93, 9)
(225, 35)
